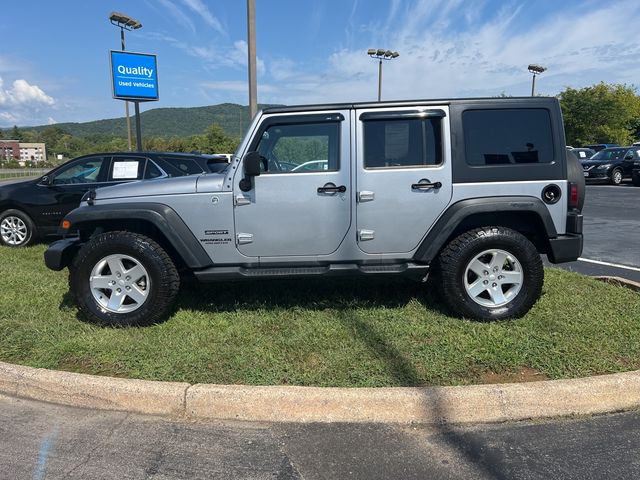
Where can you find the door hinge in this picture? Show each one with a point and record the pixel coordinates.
(244, 238)
(366, 196)
(364, 235)
(242, 200)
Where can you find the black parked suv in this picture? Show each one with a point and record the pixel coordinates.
(34, 208)
(612, 164)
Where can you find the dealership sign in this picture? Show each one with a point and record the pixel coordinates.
(134, 76)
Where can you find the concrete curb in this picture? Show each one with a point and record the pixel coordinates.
(430, 405)
(620, 282)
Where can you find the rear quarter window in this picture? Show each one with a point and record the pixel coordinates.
(501, 137)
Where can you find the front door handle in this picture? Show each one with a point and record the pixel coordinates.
(331, 188)
(426, 185)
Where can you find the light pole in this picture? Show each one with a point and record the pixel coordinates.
(124, 22)
(535, 70)
(381, 54)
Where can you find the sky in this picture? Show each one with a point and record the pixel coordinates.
(54, 59)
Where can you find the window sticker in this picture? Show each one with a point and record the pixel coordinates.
(125, 170)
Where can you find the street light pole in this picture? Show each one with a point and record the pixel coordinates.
(535, 70)
(123, 22)
(126, 104)
(381, 54)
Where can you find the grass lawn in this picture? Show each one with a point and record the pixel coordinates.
(336, 332)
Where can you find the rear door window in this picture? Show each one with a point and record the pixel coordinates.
(402, 143)
(127, 168)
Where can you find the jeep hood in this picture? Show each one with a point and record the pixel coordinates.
(163, 186)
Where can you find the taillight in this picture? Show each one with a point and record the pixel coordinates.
(573, 195)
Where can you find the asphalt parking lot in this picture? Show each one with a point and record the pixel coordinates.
(611, 232)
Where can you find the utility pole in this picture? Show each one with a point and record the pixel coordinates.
(251, 37)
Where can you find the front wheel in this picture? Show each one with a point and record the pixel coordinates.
(123, 279)
(490, 273)
(616, 177)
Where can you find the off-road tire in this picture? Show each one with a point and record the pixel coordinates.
(163, 278)
(451, 269)
(12, 217)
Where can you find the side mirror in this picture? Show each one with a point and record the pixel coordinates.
(46, 180)
(251, 166)
(252, 161)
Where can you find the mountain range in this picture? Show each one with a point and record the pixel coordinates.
(166, 122)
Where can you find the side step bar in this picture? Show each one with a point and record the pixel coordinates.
(214, 274)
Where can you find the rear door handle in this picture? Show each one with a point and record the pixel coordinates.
(331, 188)
(426, 185)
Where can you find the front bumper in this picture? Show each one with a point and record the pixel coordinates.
(597, 175)
(60, 254)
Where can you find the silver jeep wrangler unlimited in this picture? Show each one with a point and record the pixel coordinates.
(470, 192)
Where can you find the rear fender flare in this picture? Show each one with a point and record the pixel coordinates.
(459, 211)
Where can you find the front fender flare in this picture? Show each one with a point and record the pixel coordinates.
(161, 216)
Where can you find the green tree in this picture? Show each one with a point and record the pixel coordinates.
(16, 134)
(602, 113)
(214, 140)
(51, 136)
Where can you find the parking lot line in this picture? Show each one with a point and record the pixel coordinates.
(616, 265)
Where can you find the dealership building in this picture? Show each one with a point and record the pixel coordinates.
(22, 152)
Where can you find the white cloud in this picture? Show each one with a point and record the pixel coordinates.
(51, 121)
(8, 119)
(203, 11)
(21, 101)
(178, 15)
(448, 49)
(234, 56)
(22, 93)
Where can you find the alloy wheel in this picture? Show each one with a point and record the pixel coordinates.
(13, 230)
(493, 278)
(119, 283)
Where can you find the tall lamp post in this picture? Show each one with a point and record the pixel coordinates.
(535, 70)
(124, 22)
(380, 54)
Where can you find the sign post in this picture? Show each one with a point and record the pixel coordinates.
(134, 77)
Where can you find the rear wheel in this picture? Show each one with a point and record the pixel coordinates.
(122, 279)
(16, 229)
(490, 273)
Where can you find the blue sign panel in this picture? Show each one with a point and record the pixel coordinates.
(134, 76)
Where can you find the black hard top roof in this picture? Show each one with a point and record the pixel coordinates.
(408, 103)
